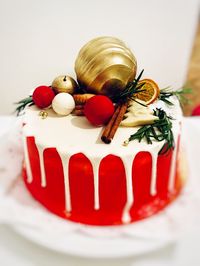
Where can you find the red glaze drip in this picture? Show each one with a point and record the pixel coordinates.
(112, 186)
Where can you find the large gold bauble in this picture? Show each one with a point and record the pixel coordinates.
(105, 65)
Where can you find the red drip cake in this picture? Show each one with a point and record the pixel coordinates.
(79, 177)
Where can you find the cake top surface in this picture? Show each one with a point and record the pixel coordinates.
(73, 134)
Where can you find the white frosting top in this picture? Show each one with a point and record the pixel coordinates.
(73, 134)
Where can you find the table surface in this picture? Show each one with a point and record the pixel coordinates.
(15, 250)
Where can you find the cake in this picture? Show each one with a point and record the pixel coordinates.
(79, 177)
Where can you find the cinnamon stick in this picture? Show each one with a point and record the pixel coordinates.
(113, 124)
(78, 110)
(79, 106)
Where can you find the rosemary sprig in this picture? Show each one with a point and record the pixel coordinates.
(22, 104)
(131, 89)
(160, 130)
(166, 93)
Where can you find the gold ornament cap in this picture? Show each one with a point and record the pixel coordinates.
(105, 65)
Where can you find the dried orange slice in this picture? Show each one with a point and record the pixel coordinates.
(150, 91)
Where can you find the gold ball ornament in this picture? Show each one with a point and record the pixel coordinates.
(65, 84)
(105, 65)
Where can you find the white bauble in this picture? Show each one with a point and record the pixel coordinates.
(63, 103)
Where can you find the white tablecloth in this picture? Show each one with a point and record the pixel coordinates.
(15, 250)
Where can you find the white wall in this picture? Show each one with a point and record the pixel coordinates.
(39, 39)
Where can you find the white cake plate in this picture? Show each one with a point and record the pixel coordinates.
(35, 223)
(27, 217)
(78, 244)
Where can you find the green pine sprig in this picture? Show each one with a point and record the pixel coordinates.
(160, 130)
(23, 103)
(130, 90)
(166, 93)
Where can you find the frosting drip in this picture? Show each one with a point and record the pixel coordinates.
(95, 166)
(42, 168)
(128, 162)
(27, 161)
(172, 174)
(154, 157)
(65, 164)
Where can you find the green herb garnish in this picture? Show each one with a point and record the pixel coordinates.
(160, 130)
(23, 103)
(130, 90)
(166, 93)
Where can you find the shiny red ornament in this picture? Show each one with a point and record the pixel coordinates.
(43, 96)
(98, 110)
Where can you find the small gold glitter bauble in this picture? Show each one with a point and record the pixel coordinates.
(105, 65)
(126, 142)
(43, 114)
(64, 83)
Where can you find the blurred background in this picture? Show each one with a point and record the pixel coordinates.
(41, 39)
(193, 74)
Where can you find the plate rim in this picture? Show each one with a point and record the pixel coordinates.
(152, 245)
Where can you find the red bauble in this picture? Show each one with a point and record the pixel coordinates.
(43, 96)
(98, 110)
(196, 111)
